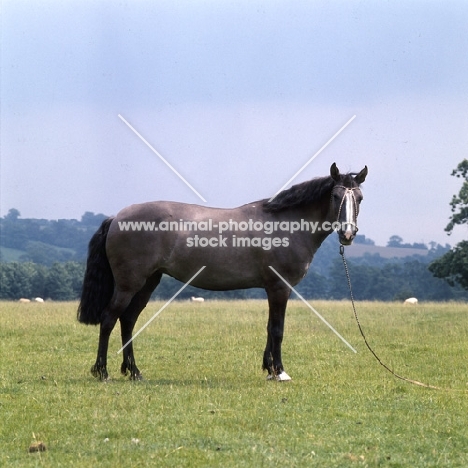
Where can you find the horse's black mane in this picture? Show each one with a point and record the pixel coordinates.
(307, 193)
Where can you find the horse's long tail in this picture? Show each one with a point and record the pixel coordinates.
(98, 283)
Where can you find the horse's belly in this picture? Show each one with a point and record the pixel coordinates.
(220, 277)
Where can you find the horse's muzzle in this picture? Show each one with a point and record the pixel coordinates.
(347, 237)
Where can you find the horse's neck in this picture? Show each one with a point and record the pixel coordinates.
(317, 216)
(317, 232)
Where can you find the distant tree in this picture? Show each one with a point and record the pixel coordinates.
(91, 219)
(419, 245)
(453, 266)
(459, 203)
(436, 250)
(58, 284)
(394, 241)
(17, 280)
(75, 272)
(38, 281)
(313, 286)
(13, 215)
(397, 241)
(361, 239)
(12, 233)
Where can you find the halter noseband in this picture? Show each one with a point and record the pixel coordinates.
(351, 192)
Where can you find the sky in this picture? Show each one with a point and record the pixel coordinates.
(236, 96)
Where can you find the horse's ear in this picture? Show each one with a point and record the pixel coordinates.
(334, 172)
(361, 177)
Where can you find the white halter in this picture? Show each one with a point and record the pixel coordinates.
(350, 202)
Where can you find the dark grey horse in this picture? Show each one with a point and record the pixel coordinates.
(130, 252)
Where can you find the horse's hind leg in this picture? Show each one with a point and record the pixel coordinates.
(119, 302)
(127, 323)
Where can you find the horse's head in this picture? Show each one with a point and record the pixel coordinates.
(344, 203)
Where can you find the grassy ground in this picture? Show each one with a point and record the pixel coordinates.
(205, 401)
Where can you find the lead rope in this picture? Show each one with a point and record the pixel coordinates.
(415, 382)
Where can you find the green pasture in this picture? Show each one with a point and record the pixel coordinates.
(205, 401)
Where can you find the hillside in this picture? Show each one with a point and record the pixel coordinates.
(44, 241)
(359, 250)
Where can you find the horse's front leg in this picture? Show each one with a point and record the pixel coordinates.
(277, 300)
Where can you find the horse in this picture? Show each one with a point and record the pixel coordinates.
(130, 252)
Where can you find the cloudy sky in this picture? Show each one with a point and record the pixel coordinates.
(236, 96)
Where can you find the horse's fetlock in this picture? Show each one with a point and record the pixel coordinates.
(100, 372)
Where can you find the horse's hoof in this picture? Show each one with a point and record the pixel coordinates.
(281, 377)
(94, 371)
(137, 377)
(99, 373)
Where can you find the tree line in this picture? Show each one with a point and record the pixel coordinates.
(373, 278)
(60, 281)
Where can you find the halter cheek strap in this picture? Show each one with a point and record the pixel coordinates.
(348, 191)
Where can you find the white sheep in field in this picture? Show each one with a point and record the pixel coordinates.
(197, 299)
(411, 300)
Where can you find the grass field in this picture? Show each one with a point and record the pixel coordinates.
(205, 400)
